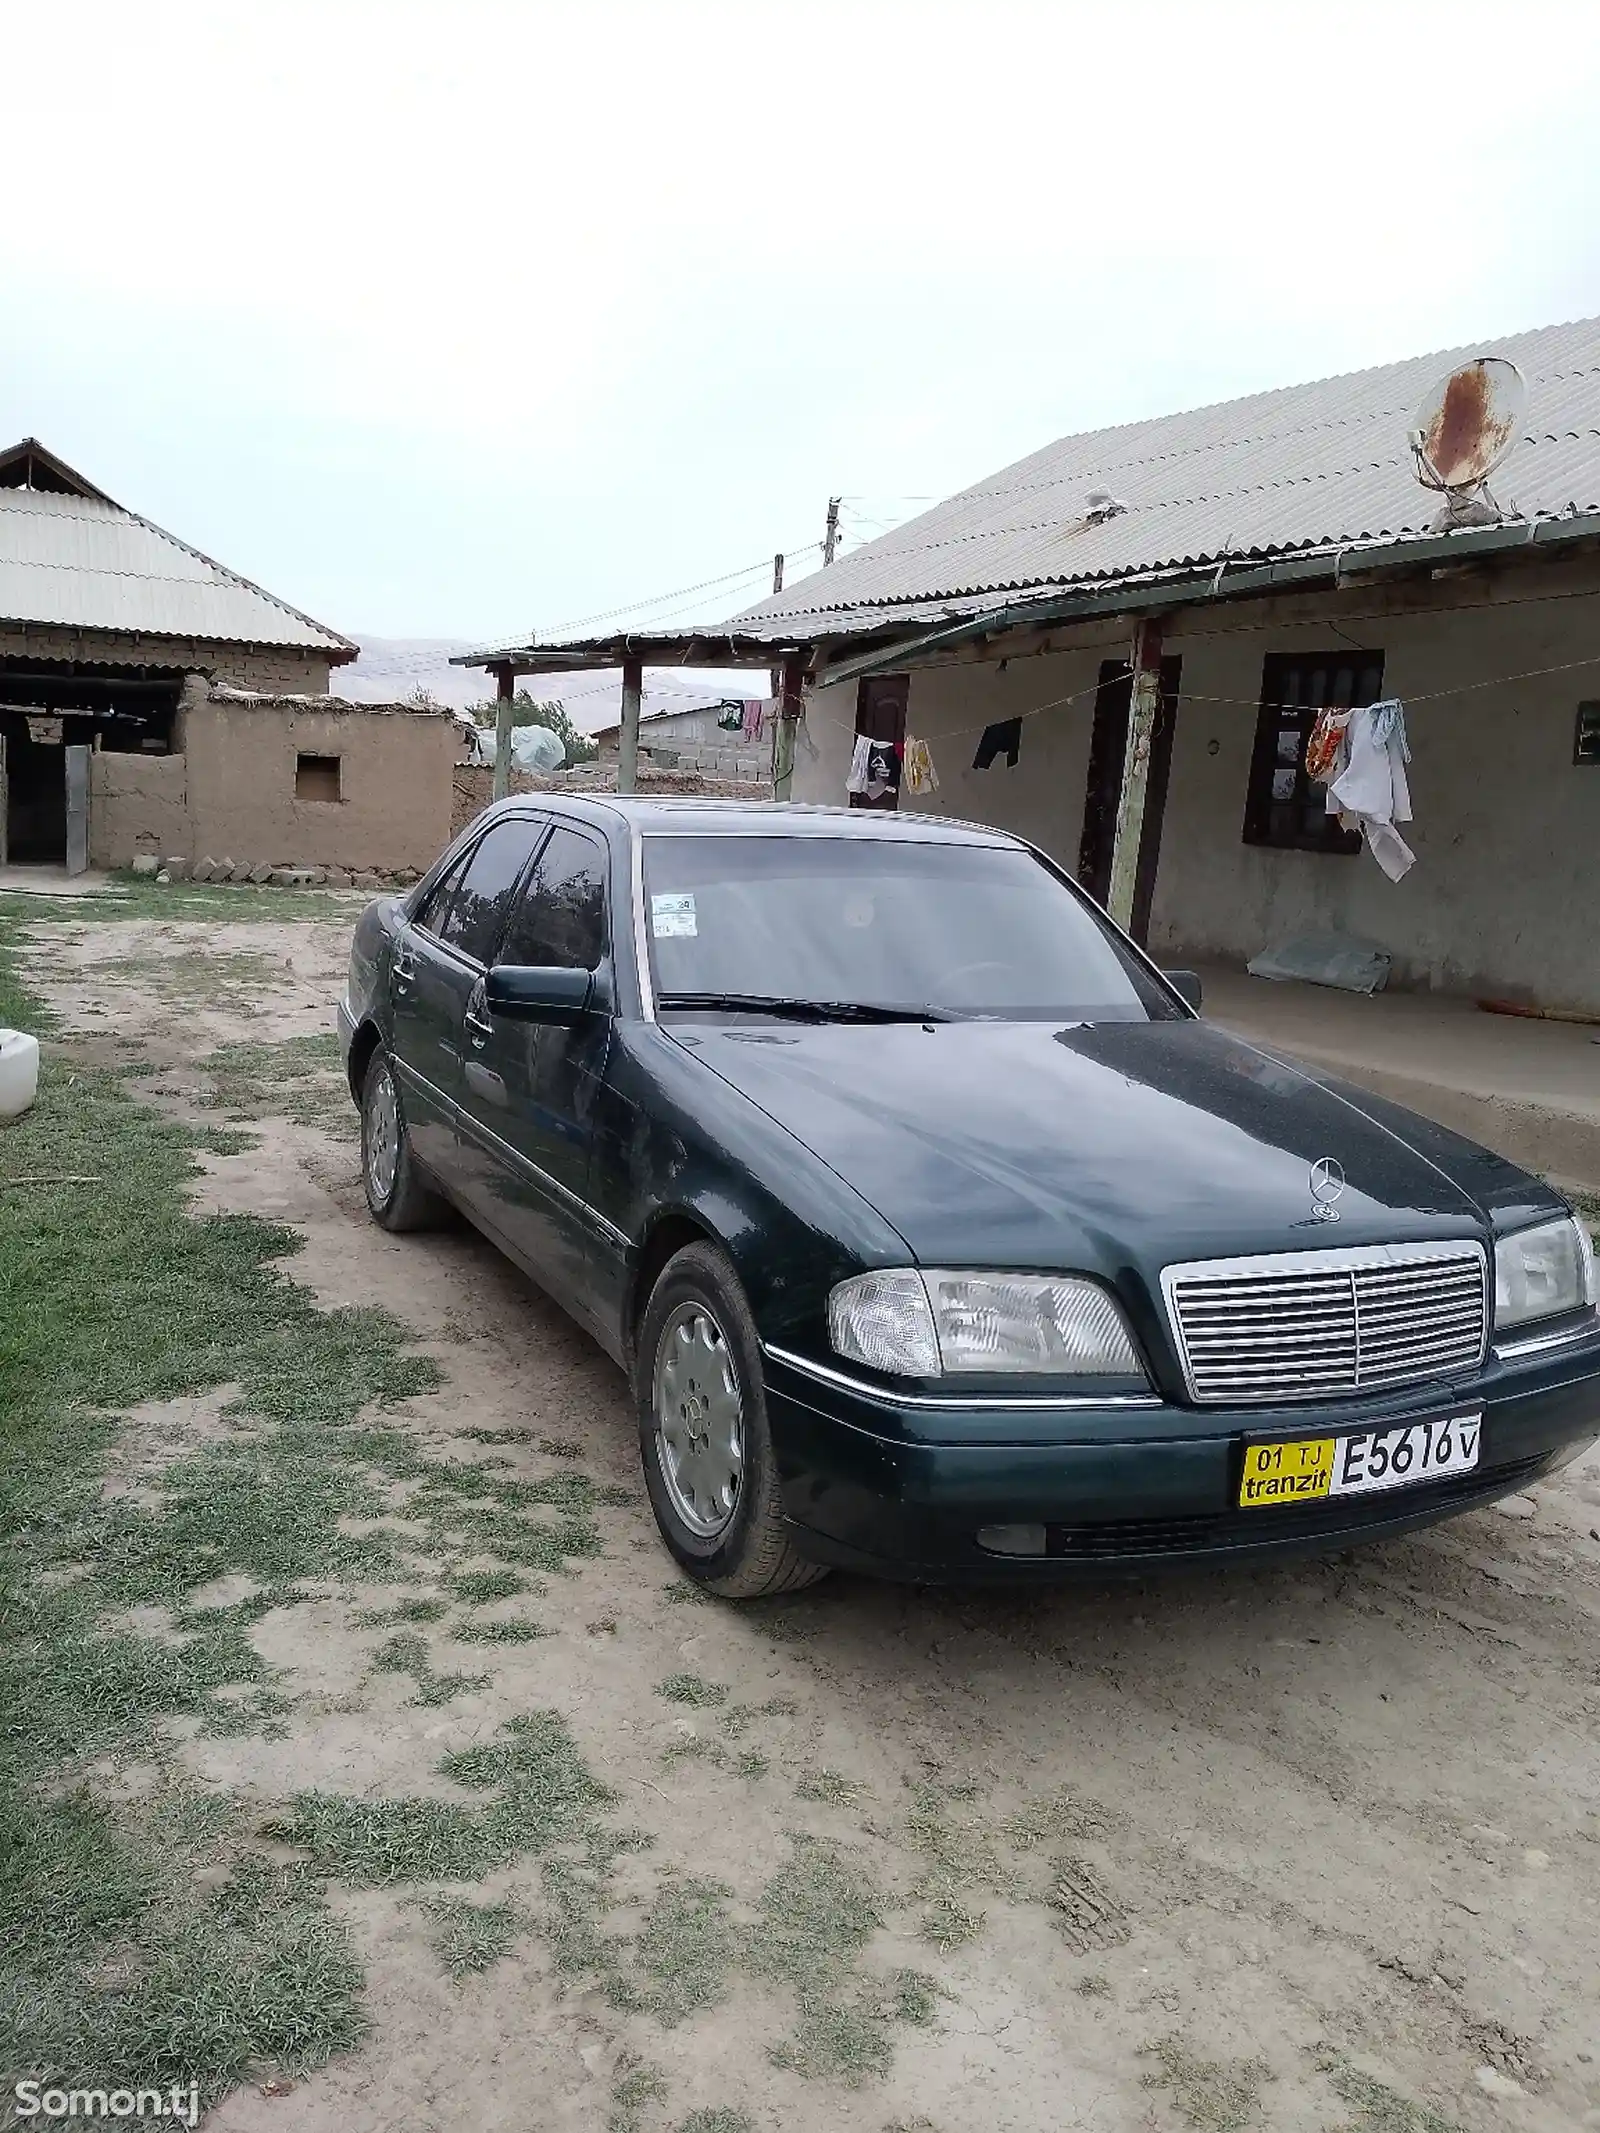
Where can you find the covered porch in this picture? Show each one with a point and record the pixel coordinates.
(1528, 1088)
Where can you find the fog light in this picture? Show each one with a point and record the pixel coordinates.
(1012, 1540)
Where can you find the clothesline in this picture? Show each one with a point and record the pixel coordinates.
(1253, 703)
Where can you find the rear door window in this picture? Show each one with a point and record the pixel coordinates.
(474, 917)
(560, 919)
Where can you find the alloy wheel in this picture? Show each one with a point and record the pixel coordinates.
(699, 1418)
(383, 1133)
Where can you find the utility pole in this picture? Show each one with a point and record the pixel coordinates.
(505, 690)
(1143, 707)
(628, 734)
(830, 539)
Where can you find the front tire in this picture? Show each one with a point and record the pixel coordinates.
(397, 1195)
(703, 1434)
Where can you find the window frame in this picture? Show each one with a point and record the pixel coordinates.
(303, 758)
(1314, 678)
(602, 857)
(456, 872)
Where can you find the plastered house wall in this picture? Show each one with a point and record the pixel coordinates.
(1502, 900)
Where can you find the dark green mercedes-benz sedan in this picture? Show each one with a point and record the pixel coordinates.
(938, 1235)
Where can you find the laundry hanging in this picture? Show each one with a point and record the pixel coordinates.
(874, 768)
(754, 713)
(920, 776)
(1369, 789)
(1002, 738)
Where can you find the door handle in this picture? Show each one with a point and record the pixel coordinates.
(481, 1030)
(402, 971)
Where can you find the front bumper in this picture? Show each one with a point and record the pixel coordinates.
(903, 1491)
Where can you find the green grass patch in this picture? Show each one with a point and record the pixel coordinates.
(499, 1632)
(469, 1937)
(539, 1793)
(686, 1948)
(717, 2118)
(478, 1587)
(138, 896)
(406, 1653)
(115, 1961)
(299, 1078)
(1377, 2108)
(692, 1689)
(634, 2086)
(817, 1914)
(1212, 2095)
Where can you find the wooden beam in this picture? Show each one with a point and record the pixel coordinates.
(505, 691)
(1143, 706)
(789, 707)
(628, 736)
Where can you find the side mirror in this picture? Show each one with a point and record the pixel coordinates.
(1186, 984)
(536, 992)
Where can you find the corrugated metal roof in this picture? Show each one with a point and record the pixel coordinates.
(84, 563)
(1304, 467)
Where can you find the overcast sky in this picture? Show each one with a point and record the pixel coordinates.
(463, 319)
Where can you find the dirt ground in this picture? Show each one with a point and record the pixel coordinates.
(1309, 1848)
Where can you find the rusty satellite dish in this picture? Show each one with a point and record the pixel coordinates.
(1462, 429)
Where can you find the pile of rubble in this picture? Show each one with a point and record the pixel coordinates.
(277, 877)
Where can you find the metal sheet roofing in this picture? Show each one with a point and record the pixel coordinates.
(1304, 467)
(83, 562)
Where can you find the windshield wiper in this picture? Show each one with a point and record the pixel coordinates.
(762, 1003)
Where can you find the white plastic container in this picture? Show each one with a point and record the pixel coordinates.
(19, 1071)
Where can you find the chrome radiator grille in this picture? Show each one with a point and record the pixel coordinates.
(1312, 1325)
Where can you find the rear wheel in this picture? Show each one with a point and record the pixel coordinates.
(703, 1434)
(397, 1195)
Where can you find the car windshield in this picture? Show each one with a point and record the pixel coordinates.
(882, 926)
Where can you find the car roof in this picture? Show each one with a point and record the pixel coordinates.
(646, 814)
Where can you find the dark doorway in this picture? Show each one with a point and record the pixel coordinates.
(35, 789)
(1108, 745)
(50, 706)
(881, 716)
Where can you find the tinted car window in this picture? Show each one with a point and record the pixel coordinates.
(431, 911)
(561, 916)
(886, 922)
(477, 911)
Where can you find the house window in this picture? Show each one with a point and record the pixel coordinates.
(1586, 735)
(1283, 807)
(316, 777)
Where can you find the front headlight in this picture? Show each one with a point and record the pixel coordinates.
(949, 1323)
(1543, 1273)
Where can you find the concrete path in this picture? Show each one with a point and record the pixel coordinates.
(1530, 1090)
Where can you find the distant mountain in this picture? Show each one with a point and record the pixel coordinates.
(391, 668)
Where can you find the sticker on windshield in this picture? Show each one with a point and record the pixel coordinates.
(672, 917)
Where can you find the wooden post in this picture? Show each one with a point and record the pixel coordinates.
(1143, 706)
(789, 709)
(505, 690)
(628, 734)
(774, 675)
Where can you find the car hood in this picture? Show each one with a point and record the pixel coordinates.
(1116, 1147)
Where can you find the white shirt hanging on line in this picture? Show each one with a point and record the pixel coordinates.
(1369, 786)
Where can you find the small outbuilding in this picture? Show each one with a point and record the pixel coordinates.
(153, 701)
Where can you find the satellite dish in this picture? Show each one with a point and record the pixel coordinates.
(1462, 429)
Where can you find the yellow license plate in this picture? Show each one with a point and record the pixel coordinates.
(1286, 1473)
